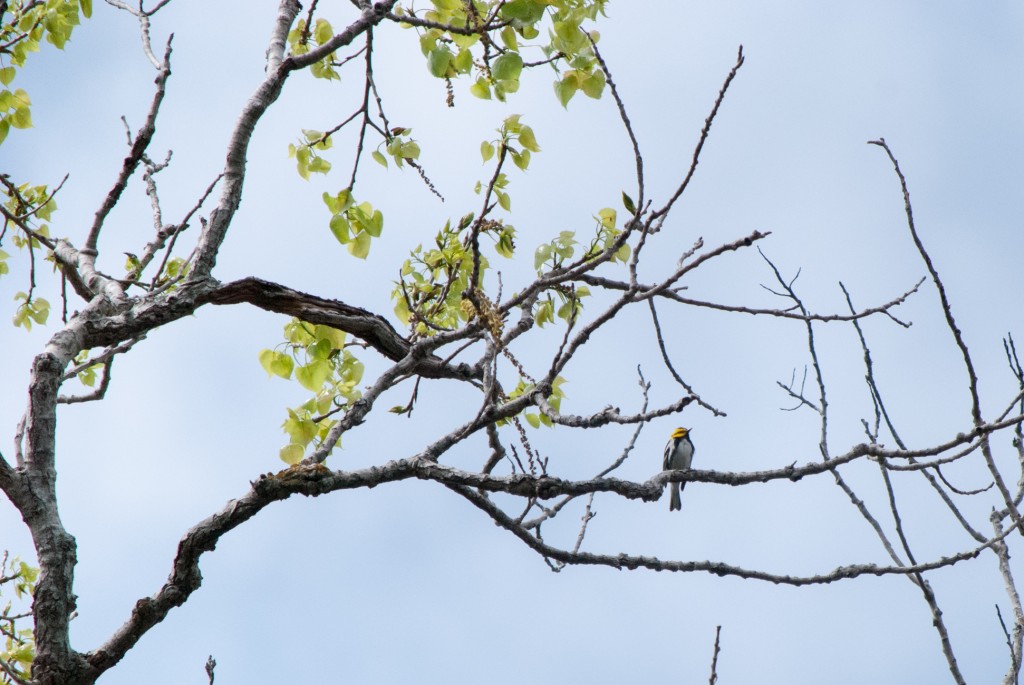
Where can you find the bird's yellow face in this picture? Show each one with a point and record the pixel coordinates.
(680, 433)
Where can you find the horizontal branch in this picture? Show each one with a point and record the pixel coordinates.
(185, 577)
(606, 415)
(411, 20)
(611, 284)
(316, 479)
(372, 328)
(633, 562)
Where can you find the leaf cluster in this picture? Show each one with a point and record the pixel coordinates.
(23, 25)
(512, 131)
(88, 375)
(495, 34)
(429, 296)
(31, 309)
(322, 364)
(305, 153)
(354, 225)
(302, 39)
(18, 649)
(399, 146)
(536, 419)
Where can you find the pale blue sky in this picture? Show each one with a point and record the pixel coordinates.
(406, 583)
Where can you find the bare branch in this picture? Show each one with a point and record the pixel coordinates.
(660, 214)
(958, 338)
(628, 126)
(668, 362)
(631, 562)
(714, 657)
(138, 148)
(608, 414)
(1017, 641)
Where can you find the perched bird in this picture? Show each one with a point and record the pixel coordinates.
(678, 455)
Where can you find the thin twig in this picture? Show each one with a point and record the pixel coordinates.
(714, 657)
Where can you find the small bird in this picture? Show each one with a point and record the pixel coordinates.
(678, 455)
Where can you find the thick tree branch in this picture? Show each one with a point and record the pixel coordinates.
(315, 480)
(370, 327)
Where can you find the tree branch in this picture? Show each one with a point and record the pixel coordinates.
(370, 327)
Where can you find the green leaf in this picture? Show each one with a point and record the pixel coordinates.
(333, 335)
(623, 254)
(401, 307)
(438, 61)
(528, 140)
(376, 222)
(506, 245)
(276, 363)
(542, 255)
(504, 200)
(292, 454)
(87, 376)
(529, 32)
(319, 165)
(486, 150)
(22, 118)
(340, 228)
(507, 67)
(6, 75)
(569, 38)
(323, 32)
(533, 420)
(481, 89)
(265, 359)
(594, 86)
(628, 203)
(312, 376)
(301, 160)
(463, 62)
(340, 202)
(320, 350)
(525, 11)
(508, 37)
(521, 159)
(360, 245)
(409, 150)
(40, 310)
(565, 89)
(86, 6)
(352, 369)
(380, 159)
(607, 218)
